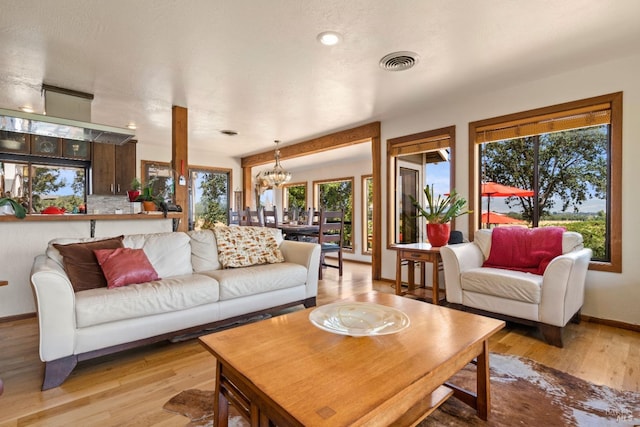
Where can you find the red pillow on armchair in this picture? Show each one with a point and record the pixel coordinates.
(125, 266)
(524, 249)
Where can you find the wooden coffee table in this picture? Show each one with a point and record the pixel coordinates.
(287, 372)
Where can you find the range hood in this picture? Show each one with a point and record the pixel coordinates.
(75, 105)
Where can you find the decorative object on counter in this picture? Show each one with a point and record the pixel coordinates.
(150, 202)
(134, 192)
(9, 206)
(439, 211)
(53, 210)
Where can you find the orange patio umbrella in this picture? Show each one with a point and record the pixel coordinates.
(491, 189)
(499, 218)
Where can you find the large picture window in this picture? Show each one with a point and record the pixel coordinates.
(558, 166)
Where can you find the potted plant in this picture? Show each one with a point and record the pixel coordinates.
(134, 191)
(150, 202)
(12, 206)
(439, 211)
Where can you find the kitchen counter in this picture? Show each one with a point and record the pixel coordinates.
(92, 218)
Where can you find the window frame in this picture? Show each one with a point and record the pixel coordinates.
(364, 227)
(615, 168)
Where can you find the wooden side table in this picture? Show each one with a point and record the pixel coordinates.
(418, 252)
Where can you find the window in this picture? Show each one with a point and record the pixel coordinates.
(209, 197)
(414, 161)
(294, 196)
(161, 177)
(562, 164)
(40, 183)
(367, 214)
(334, 195)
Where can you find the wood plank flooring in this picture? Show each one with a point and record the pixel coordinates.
(129, 389)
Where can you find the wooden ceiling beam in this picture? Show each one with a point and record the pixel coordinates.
(340, 139)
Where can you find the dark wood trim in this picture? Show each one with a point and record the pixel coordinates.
(180, 160)
(57, 371)
(615, 214)
(16, 317)
(612, 323)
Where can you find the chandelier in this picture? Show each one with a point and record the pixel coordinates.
(277, 176)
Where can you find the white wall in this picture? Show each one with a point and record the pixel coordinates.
(608, 295)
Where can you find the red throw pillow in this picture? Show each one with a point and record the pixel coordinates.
(81, 264)
(524, 249)
(125, 266)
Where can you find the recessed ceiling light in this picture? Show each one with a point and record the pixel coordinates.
(329, 38)
(26, 109)
(229, 132)
(132, 126)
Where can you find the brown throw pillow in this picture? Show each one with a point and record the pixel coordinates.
(125, 266)
(81, 264)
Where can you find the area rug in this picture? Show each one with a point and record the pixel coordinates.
(523, 393)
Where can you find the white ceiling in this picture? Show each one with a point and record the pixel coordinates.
(256, 67)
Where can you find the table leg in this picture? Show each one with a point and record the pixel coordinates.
(434, 280)
(483, 383)
(398, 274)
(411, 275)
(220, 402)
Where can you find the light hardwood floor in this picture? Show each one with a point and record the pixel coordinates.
(130, 388)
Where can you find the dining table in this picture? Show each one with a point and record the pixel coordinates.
(292, 231)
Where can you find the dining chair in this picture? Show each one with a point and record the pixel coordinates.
(254, 218)
(236, 217)
(330, 236)
(270, 217)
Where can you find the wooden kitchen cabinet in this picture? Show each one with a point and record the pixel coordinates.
(113, 167)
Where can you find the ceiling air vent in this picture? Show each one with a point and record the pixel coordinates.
(399, 61)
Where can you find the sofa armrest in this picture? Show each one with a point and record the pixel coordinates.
(55, 302)
(457, 259)
(563, 287)
(307, 255)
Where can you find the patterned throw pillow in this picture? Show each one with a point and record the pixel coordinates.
(245, 246)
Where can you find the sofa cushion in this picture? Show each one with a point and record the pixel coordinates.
(238, 282)
(246, 246)
(168, 253)
(513, 285)
(81, 264)
(204, 251)
(102, 305)
(125, 266)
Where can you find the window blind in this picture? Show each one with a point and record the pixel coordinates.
(594, 115)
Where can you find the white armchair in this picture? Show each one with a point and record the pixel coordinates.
(549, 301)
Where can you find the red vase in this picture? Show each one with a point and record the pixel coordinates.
(438, 234)
(133, 195)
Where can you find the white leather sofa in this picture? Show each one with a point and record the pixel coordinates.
(549, 301)
(194, 293)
